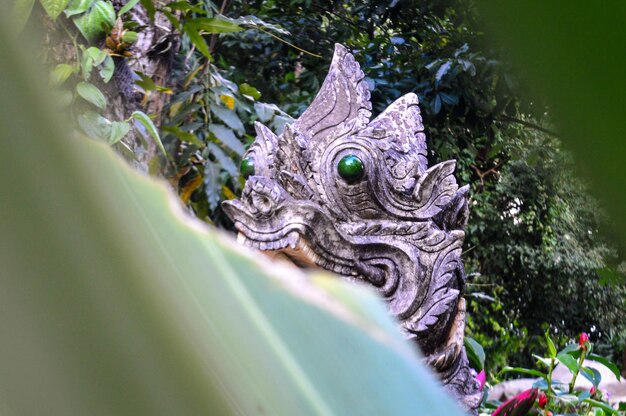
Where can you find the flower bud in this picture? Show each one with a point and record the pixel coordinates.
(481, 378)
(592, 390)
(543, 400)
(583, 340)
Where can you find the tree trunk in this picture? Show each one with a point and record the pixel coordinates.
(152, 54)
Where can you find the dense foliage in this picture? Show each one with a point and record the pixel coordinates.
(533, 250)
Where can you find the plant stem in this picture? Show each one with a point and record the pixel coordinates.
(581, 359)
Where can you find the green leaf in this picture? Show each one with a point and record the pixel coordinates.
(21, 12)
(115, 302)
(197, 40)
(183, 135)
(608, 409)
(61, 73)
(229, 117)
(592, 375)
(214, 25)
(119, 129)
(522, 370)
(130, 37)
(95, 126)
(223, 160)
(569, 349)
(126, 8)
(227, 137)
(107, 69)
(543, 360)
(249, 91)
(568, 361)
(147, 124)
(551, 347)
(97, 21)
(54, 7)
(475, 353)
(608, 364)
(150, 9)
(91, 93)
(77, 7)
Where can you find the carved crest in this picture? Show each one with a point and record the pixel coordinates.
(356, 196)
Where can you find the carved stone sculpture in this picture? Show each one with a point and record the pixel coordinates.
(356, 196)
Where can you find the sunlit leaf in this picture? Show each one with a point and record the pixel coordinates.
(214, 25)
(249, 91)
(190, 187)
(228, 101)
(61, 73)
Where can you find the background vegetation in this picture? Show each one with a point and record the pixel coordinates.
(181, 105)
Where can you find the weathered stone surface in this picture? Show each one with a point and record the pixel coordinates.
(354, 196)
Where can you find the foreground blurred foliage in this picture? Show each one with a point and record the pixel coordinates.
(116, 302)
(534, 251)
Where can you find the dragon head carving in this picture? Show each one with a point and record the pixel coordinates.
(356, 196)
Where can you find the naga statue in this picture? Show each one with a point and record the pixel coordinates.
(356, 196)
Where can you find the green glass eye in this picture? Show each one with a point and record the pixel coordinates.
(247, 168)
(351, 169)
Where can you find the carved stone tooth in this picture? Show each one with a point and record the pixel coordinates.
(241, 239)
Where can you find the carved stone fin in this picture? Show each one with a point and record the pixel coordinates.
(400, 127)
(262, 150)
(343, 100)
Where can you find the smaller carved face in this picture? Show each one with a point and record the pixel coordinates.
(354, 196)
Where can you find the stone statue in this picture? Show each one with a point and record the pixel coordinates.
(338, 191)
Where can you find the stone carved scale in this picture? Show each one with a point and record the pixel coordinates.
(356, 196)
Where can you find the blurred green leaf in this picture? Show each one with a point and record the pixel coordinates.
(92, 94)
(119, 129)
(115, 302)
(522, 370)
(54, 7)
(214, 25)
(127, 7)
(147, 124)
(570, 67)
(21, 12)
(61, 73)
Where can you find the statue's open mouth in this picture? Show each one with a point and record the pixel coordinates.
(291, 243)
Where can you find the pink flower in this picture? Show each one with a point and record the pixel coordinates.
(543, 400)
(592, 390)
(481, 378)
(518, 405)
(583, 340)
